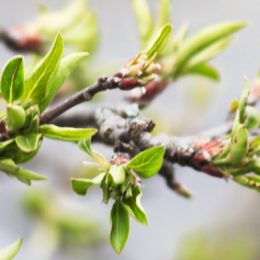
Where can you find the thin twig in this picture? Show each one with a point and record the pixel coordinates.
(82, 96)
(105, 83)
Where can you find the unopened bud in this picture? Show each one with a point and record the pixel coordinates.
(15, 117)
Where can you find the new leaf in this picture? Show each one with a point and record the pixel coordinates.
(147, 163)
(67, 65)
(81, 186)
(134, 205)
(36, 86)
(11, 251)
(160, 41)
(120, 226)
(67, 133)
(201, 41)
(12, 81)
(28, 143)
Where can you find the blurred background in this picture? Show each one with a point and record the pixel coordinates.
(220, 222)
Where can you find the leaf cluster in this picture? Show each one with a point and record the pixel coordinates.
(27, 96)
(240, 157)
(183, 55)
(121, 183)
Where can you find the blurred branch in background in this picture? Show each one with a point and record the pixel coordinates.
(59, 225)
(217, 245)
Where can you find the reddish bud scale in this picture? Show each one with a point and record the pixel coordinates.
(199, 156)
(152, 89)
(205, 151)
(120, 159)
(211, 146)
(129, 83)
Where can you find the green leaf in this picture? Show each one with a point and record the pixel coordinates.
(15, 117)
(105, 186)
(211, 52)
(5, 144)
(120, 226)
(28, 143)
(27, 176)
(117, 173)
(66, 67)
(12, 81)
(243, 103)
(198, 62)
(252, 182)
(178, 39)
(81, 185)
(148, 162)
(204, 70)
(164, 12)
(135, 208)
(159, 41)
(255, 143)
(252, 117)
(76, 22)
(11, 251)
(144, 20)
(8, 166)
(67, 133)
(204, 39)
(36, 86)
(85, 145)
(239, 145)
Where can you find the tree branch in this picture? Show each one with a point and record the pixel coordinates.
(19, 40)
(128, 132)
(105, 83)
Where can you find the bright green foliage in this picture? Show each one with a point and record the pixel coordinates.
(240, 156)
(26, 99)
(85, 145)
(76, 22)
(181, 55)
(11, 251)
(207, 43)
(204, 70)
(164, 13)
(5, 144)
(26, 176)
(144, 20)
(147, 163)
(36, 85)
(120, 183)
(160, 41)
(217, 244)
(134, 206)
(15, 117)
(164, 58)
(252, 182)
(239, 144)
(50, 73)
(117, 173)
(146, 25)
(81, 186)
(12, 80)
(66, 133)
(28, 143)
(120, 226)
(67, 65)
